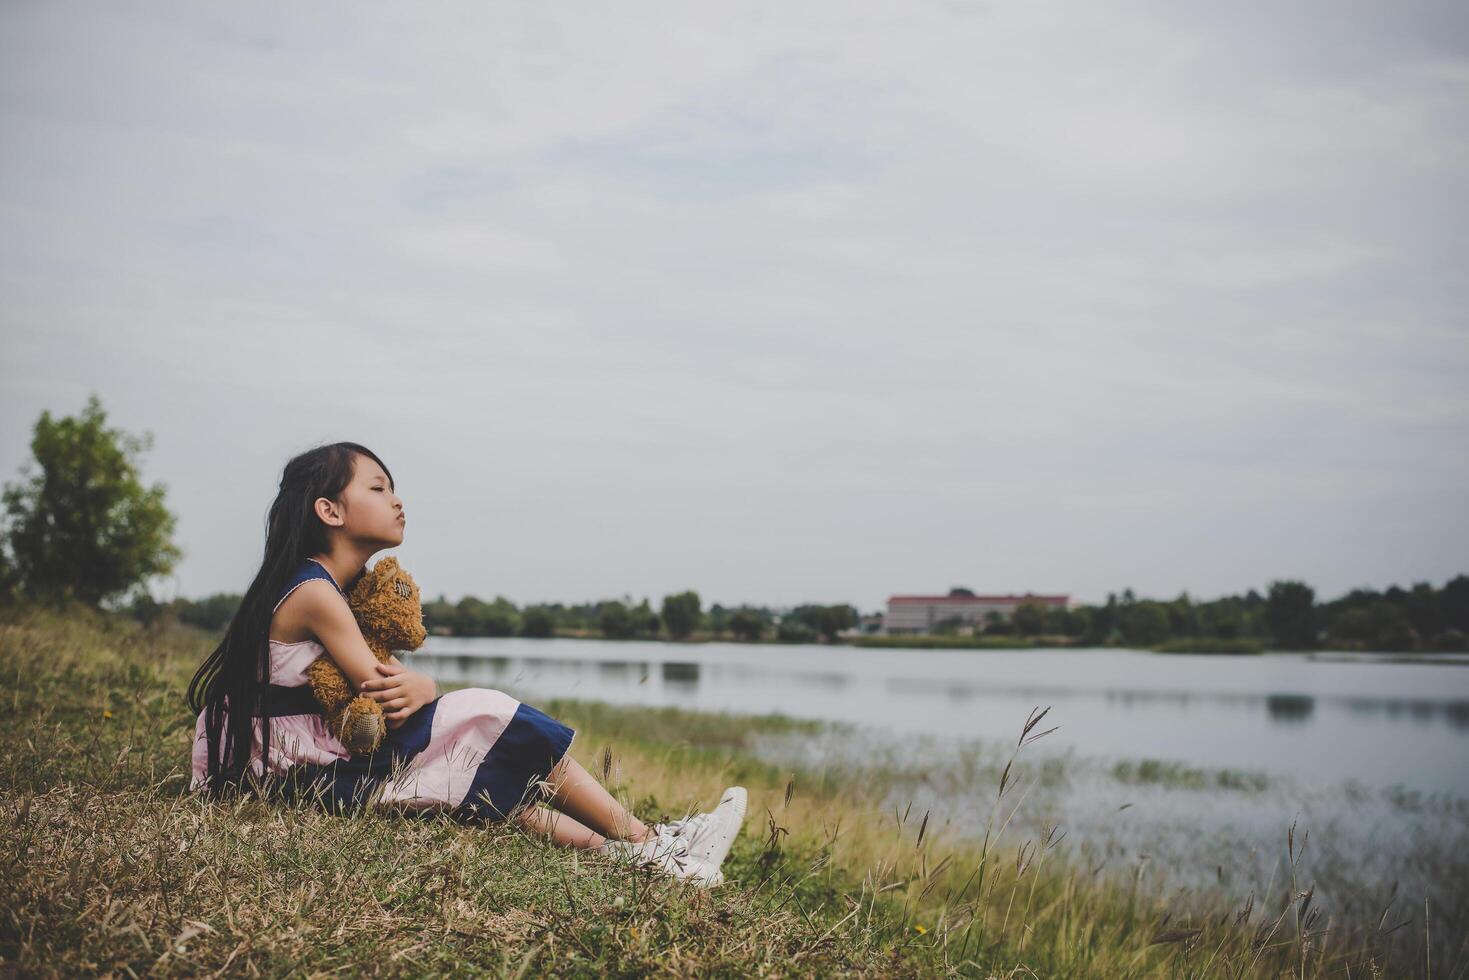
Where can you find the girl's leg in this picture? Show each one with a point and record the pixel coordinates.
(578, 794)
(559, 827)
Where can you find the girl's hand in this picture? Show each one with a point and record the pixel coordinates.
(400, 691)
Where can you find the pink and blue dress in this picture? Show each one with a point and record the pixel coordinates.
(475, 753)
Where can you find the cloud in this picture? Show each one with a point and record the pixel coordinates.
(781, 303)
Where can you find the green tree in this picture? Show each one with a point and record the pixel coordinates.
(615, 620)
(85, 527)
(996, 624)
(1454, 601)
(644, 620)
(1290, 614)
(793, 631)
(1079, 621)
(438, 614)
(538, 621)
(1102, 628)
(681, 614)
(836, 618)
(1223, 618)
(1030, 618)
(948, 626)
(1183, 619)
(1145, 623)
(9, 579)
(1424, 609)
(469, 614)
(746, 625)
(502, 618)
(211, 613)
(718, 619)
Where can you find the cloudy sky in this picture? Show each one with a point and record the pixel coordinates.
(780, 302)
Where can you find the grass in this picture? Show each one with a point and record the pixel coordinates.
(111, 867)
(1179, 776)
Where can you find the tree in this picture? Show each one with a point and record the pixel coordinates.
(501, 618)
(212, 613)
(1290, 614)
(1030, 618)
(746, 626)
(439, 614)
(948, 626)
(1145, 623)
(1183, 618)
(681, 614)
(644, 619)
(792, 630)
(85, 527)
(718, 619)
(1103, 626)
(834, 619)
(1423, 609)
(1079, 621)
(9, 579)
(1454, 601)
(539, 622)
(616, 620)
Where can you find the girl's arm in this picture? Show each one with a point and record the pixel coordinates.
(326, 614)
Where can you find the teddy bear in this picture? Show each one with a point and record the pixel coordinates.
(385, 602)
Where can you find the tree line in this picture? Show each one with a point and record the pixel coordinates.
(84, 527)
(680, 616)
(1286, 616)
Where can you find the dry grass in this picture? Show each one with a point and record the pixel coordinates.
(112, 868)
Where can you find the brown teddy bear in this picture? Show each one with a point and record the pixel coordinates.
(386, 604)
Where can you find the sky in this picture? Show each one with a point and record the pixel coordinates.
(783, 303)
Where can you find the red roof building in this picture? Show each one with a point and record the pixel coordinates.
(921, 613)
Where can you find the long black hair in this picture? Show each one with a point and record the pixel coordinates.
(238, 670)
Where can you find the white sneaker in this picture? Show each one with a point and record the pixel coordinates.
(688, 828)
(667, 854)
(710, 837)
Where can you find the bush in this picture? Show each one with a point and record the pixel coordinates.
(746, 626)
(795, 632)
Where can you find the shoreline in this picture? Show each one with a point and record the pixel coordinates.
(966, 643)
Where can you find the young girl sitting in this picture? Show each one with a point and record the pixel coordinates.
(476, 753)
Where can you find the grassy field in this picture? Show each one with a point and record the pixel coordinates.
(113, 868)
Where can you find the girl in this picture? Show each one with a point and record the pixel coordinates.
(477, 753)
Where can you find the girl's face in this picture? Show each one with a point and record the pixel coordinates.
(372, 511)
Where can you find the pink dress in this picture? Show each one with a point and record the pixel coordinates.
(474, 752)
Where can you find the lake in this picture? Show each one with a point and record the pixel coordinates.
(1319, 718)
(1184, 771)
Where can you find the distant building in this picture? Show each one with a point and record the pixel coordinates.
(921, 613)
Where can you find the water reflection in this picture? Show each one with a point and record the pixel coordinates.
(684, 676)
(1321, 719)
(617, 669)
(1292, 709)
(1454, 713)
